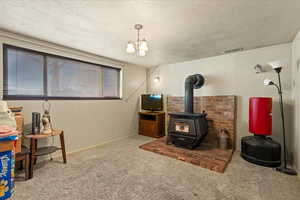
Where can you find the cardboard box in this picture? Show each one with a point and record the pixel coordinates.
(20, 122)
(6, 146)
(20, 126)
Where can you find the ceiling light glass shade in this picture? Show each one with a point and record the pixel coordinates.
(141, 52)
(144, 45)
(130, 47)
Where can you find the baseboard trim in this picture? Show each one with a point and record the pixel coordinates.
(93, 146)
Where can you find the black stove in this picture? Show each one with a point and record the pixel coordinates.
(188, 129)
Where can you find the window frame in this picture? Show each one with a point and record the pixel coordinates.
(45, 96)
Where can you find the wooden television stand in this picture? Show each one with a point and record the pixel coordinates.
(152, 124)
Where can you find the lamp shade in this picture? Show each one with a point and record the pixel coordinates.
(144, 45)
(278, 64)
(156, 79)
(267, 82)
(130, 47)
(141, 52)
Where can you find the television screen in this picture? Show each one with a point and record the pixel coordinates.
(153, 102)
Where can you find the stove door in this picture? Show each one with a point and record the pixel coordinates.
(182, 126)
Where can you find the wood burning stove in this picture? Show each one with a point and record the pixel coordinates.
(188, 129)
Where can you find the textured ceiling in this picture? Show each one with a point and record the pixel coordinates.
(177, 30)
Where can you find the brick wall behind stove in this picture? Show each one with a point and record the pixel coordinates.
(221, 113)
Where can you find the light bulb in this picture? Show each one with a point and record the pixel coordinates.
(130, 47)
(144, 45)
(141, 52)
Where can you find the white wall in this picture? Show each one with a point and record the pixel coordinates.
(86, 122)
(296, 95)
(233, 74)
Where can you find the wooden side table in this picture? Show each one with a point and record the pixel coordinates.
(34, 151)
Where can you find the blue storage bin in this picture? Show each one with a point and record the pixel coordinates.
(7, 165)
(6, 174)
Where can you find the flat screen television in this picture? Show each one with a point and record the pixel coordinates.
(152, 102)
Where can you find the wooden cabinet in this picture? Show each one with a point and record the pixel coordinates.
(152, 124)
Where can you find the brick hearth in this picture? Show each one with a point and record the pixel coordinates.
(221, 112)
(206, 155)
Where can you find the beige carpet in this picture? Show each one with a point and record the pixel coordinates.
(122, 171)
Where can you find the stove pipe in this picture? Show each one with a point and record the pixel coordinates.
(192, 82)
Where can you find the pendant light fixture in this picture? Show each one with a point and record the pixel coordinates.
(140, 47)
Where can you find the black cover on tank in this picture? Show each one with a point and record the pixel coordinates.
(261, 150)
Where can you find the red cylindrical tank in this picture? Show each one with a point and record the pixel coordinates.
(260, 115)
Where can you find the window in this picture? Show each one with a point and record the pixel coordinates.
(25, 73)
(34, 75)
(73, 79)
